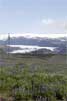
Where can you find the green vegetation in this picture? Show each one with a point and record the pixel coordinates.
(32, 78)
(21, 84)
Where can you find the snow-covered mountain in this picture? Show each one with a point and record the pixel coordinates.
(35, 42)
(31, 35)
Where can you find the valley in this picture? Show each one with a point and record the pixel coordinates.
(31, 72)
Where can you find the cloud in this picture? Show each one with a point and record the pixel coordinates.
(59, 26)
(47, 21)
(31, 35)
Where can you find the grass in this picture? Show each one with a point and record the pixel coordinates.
(23, 71)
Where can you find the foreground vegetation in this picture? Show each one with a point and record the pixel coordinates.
(23, 84)
(33, 78)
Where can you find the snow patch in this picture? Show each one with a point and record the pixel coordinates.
(27, 48)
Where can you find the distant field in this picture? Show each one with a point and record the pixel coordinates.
(48, 62)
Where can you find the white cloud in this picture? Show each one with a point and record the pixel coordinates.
(31, 35)
(47, 21)
(54, 26)
(54, 22)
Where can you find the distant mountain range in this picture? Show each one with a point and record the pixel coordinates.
(41, 43)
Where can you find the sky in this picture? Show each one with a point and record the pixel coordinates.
(33, 16)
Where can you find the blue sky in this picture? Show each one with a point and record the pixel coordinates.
(33, 16)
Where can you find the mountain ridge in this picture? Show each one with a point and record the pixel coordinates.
(60, 42)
